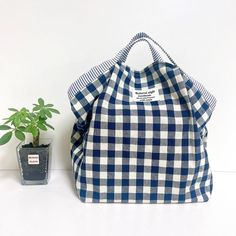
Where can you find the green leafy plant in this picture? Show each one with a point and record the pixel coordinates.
(25, 121)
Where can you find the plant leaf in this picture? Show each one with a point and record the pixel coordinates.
(49, 126)
(20, 135)
(47, 113)
(4, 127)
(24, 109)
(31, 129)
(12, 117)
(54, 110)
(21, 128)
(41, 102)
(49, 105)
(42, 126)
(25, 121)
(42, 114)
(30, 116)
(16, 121)
(8, 121)
(42, 121)
(36, 108)
(12, 109)
(5, 138)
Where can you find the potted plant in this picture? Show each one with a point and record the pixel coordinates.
(33, 156)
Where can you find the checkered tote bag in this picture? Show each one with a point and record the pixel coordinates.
(140, 136)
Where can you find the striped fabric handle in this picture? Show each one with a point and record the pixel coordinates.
(144, 35)
(208, 96)
(125, 52)
(156, 56)
(96, 71)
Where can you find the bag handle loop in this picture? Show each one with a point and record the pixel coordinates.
(96, 71)
(123, 57)
(134, 40)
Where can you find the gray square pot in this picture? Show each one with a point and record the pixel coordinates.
(34, 162)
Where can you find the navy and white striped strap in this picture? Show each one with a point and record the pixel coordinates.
(207, 96)
(96, 71)
(156, 56)
(144, 35)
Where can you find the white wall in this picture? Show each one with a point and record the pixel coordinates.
(45, 45)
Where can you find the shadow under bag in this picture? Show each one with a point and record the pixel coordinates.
(140, 136)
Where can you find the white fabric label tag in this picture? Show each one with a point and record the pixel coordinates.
(145, 95)
(33, 159)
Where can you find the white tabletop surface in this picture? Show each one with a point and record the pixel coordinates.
(54, 209)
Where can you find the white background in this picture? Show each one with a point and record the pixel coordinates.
(45, 45)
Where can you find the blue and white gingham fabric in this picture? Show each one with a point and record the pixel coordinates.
(130, 151)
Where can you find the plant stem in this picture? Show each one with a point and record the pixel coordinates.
(36, 141)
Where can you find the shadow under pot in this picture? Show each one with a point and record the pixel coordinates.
(34, 162)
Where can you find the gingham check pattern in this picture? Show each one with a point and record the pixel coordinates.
(141, 152)
(98, 70)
